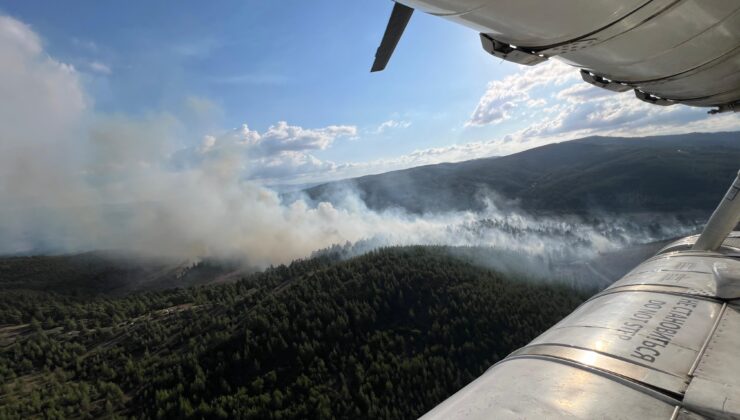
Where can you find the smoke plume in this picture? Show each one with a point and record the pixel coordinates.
(74, 179)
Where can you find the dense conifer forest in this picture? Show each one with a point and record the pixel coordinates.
(385, 335)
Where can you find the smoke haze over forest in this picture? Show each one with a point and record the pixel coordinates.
(75, 179)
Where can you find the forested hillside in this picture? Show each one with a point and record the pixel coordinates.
(109, 273)
(385, 335)
(680, 174)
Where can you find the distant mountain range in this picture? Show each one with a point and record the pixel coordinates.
(675, 173)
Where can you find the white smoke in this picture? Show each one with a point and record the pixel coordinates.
(72, 179)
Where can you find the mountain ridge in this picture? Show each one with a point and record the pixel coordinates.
(678, 173)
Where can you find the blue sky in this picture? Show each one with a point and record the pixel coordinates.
(214, 66)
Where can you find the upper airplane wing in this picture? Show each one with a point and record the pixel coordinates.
(667, 51)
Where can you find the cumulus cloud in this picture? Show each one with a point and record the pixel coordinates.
(283, 137)
(584, 110)
(290, 166)
(513, 91)
(281, 153)
(554, 104)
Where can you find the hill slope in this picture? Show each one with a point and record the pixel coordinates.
(386, 335)
(677, 173)
(109, 273)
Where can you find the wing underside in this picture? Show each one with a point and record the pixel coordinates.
(667, 51)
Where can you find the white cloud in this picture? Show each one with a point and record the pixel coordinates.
(579, 92)
(503, 96)
(575, 109)
(536, 103)
(289, 166)
(284, 137)
(585, 110)
(281, 153)
(325, 170)
(551, 97)
(390, 124)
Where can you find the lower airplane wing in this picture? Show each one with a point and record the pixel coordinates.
(662, 342)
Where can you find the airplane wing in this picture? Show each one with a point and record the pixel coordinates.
(662, 342)
(400, 17)
(667, 51)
